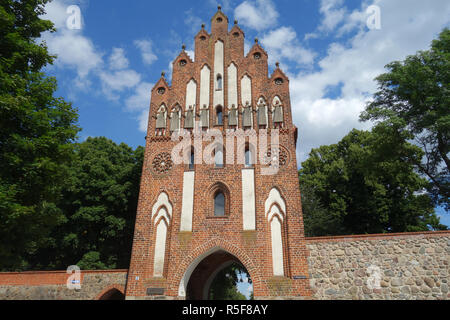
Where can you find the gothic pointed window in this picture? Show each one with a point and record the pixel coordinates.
(192, 159)
(218, 157)
(248, 158)
(219, 204)
(219, 116)
(219, 82)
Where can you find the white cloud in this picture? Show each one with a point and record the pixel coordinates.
(192, 21)
(117, 60)
(143, 120)
(73, 49)
(257, 14)
(282, 43)
(333, 14)
(56, 12)
(145, 46)
(191, 54)
(117, 81)
(337, 18)
(140, 102)
(141, 98)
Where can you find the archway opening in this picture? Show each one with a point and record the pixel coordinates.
(220, 276)
(113, 294)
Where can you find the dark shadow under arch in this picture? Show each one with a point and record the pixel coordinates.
(205, 273)
(112, 294)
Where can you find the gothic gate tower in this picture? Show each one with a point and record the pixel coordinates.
(198, 217)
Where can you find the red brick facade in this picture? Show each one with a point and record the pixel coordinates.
(251, 248)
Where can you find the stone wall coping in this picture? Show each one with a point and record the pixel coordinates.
(62, 272)
(378, 236)
(44, 278)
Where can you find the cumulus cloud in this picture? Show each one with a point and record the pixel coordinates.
(117, 81)
(140, 102)
(351, 66)
(258, 14)
(282, 43)
(146, 48)
(338, 19)
(333, 14)
(73, 49)
(143, 120)
(117, 60)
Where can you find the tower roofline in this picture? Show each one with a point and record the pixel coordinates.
(220, 13)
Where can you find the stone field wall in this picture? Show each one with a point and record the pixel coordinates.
(52, 285)
(410, 267)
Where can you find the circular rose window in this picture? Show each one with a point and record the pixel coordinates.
(163, 163)
(279, 81)
(280, 154)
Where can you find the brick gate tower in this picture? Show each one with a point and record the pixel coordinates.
(230, 199)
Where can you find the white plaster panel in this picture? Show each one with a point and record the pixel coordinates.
(246, 90)
(188, 201)
(205, 78)
(218, 69)
(277, 248)
(191, 94)
(160, 248)
(248, 199)
(232, 86)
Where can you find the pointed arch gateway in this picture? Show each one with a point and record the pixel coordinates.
(198, 272)
(113, 292)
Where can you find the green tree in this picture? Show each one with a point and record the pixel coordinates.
(364, 185)
(100, 207)
(37, 131)
(224, 285)
(414, 99)
(316, 219)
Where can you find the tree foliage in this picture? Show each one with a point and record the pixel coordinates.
(363, 185)
(414, 99)
(224, 285)
(37, 132)
(100, 205)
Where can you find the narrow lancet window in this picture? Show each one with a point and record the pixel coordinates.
(219, 204)
(219, 82)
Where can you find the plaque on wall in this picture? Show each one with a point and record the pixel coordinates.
(155, 291)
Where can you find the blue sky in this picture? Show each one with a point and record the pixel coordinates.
(331, 56)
